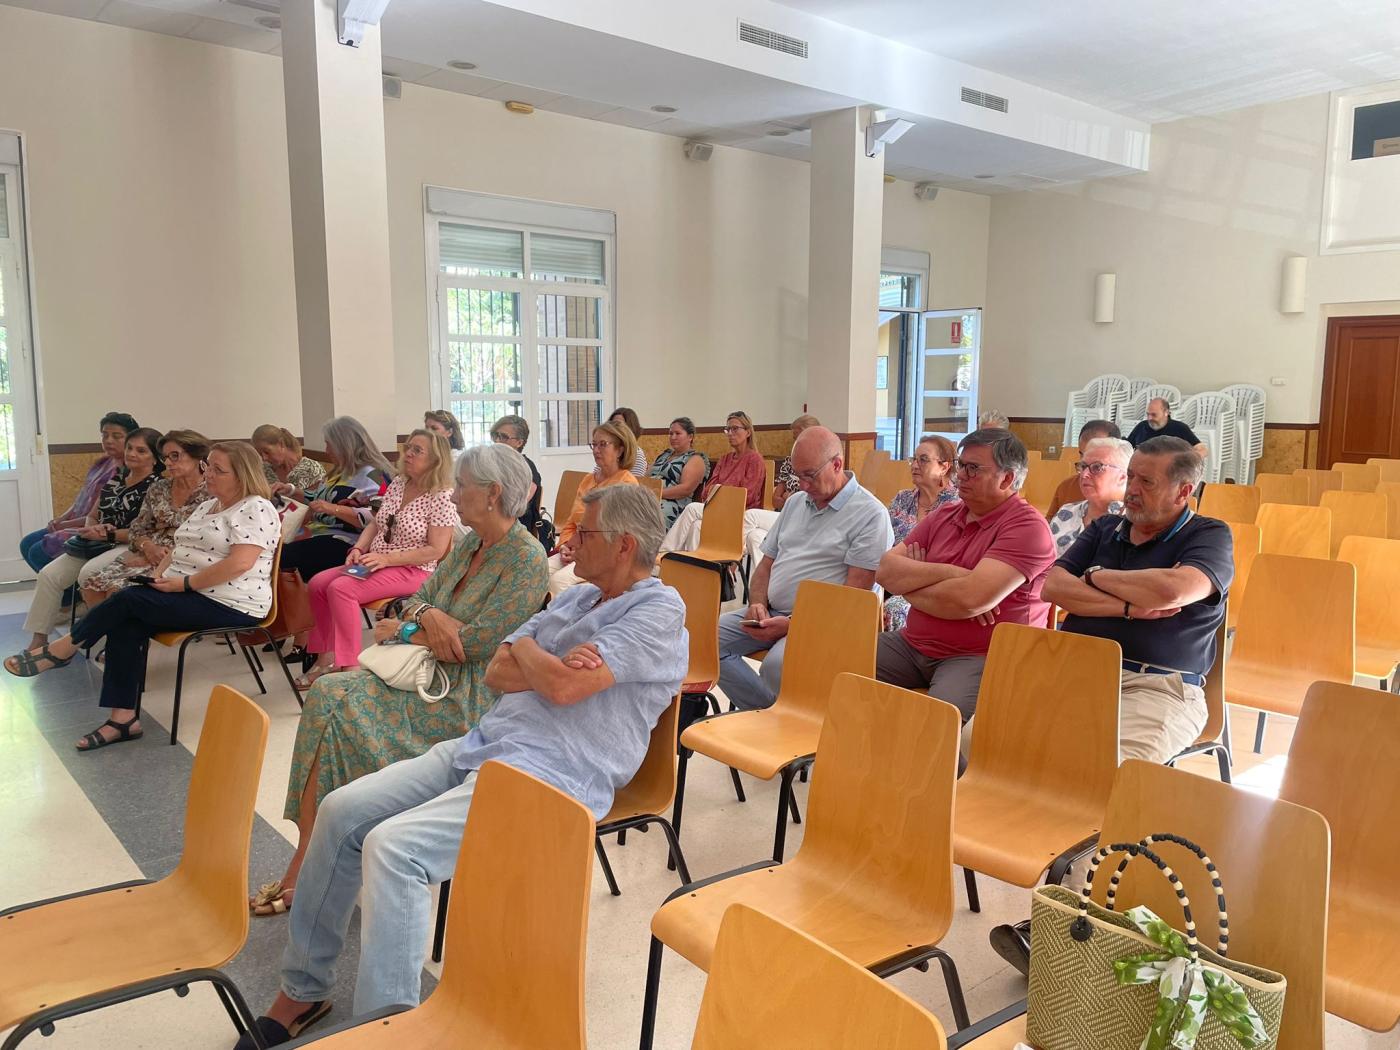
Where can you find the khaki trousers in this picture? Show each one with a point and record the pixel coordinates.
(1159, 716)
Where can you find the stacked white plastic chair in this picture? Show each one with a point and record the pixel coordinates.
(1099, 399)
(1212, 417)
(1249, 428)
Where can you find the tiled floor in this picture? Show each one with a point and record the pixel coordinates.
(82, 820)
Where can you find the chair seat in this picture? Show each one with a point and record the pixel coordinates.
(716, 554)
(1376, 661)
(1023, 835)
(758, 742)
(1268, 689)
(835, 908)
(69, 949)
(172, 638)
(633, 800)
(1004, 1037)
(1363, 985)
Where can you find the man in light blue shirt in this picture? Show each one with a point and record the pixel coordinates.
(583, 684)
(833, 531)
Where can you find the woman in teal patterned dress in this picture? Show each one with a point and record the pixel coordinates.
(492, 582)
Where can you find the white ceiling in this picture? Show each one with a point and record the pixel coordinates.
(1150, 59)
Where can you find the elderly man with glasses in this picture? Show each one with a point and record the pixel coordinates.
(970, 564)
(831, 530)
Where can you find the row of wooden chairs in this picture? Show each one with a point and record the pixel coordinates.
(1303, 529)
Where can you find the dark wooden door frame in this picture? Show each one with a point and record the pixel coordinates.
(1329, 369)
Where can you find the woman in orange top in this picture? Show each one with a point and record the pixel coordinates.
(614, 450)
(742, 467)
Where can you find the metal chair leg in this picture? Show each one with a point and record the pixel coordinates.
(653, 989)
(673, 843)
(248, 659)
(676, 806)
(607, 868)
(179, 683)
(784, 801)
(955, 991)
(1259, 733)
(974, 902)
(738, 785)
(440, 929)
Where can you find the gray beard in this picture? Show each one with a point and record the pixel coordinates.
(1156, 426)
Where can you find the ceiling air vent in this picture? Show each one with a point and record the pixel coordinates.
(772, 40)
(987, 101)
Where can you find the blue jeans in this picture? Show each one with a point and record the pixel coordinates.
(395, 832)
(745, 689)
(31, 549)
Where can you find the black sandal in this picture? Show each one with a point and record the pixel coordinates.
(274, 1033)
(95, 741)
(28, 663)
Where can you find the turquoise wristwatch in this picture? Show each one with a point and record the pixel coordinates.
(407, 631)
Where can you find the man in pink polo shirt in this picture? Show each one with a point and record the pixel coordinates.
(970, 564)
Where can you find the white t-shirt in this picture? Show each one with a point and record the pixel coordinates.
(207, 537)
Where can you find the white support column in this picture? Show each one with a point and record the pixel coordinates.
(340, 221)
(843, 283)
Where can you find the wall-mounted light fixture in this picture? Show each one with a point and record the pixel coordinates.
(1105, 289)
(1293, 287)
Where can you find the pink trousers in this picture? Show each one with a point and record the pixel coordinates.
(335, 602)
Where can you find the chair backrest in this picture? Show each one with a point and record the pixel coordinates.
(219, 810)
(1377, 590)
(870, 468)
(817, 997)
(880, 809)
(894, 476)
(1358, 477)
(518, 916)
(1389, 468)
(1391, 491)
(1231, 502)
(1288, 489)
(653, 787)
(1043, 477)
(1214, 689)
(1213, 410)
(834, 630)
(1248, 541)
(1299, 616)
(1273, 862)
(770, 471)
(569, 481)
(1033, 455)
(1357, 514)
(1047, 714)
(652, 484)
(1301, 532)
(1319, 481)
(722, 526)
(699, 588)
(276, 569)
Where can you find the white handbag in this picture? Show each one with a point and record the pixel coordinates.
(409, 667)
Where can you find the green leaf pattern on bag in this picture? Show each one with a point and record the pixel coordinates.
(1185, 990)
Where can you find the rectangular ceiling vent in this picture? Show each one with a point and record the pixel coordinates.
(772, 40)
(982, 98)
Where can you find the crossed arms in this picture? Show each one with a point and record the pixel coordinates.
(1151, 594)
(949, 592)
(522, 665)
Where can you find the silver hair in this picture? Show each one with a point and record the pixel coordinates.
(634, 510)
(1007, 452)
(1122, 451)
(993, 420)
(487, 465)
(1186, 466)
(351, 446)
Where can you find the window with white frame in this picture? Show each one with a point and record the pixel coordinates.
(524, 322)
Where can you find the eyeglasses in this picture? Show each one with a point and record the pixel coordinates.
(924, 461)
(968, 468)
(604, 444)
(499, 436)
(583, 533)
(810, 476)
(1094, 469)
(736, 430)
(389, 523)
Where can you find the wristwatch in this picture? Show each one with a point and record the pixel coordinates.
(407, 631)
(1088, 576)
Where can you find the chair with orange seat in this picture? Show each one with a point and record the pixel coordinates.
(1389, 468)
(818, 998)
(517, 922)
(1377, 608)
(1300, 532)
(1247, 542)
(564, 497)
(1391, 491)
(769, 474)
(894, 476)
(1214, 737)
(1273, 858)
(873, 876)
(1358, 477)
(1044, 748)
(1318, 481)
(871, 467)
(1357, 514)
(652, 484)
(1297, 626)
(1231, 502)
(722, 526)
(1342, 764)
(833, 630)
(85, 951)
(1282, 488)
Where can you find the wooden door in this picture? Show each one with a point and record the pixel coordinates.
(1360, 415)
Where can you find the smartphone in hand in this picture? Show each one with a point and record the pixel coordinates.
(750, 623)
(360, 572)
(143, 579)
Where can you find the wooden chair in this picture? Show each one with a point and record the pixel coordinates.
(1034, 455)
(1319, 481)
(258, 632)
(1044, 748)
(1248, 541)
(1391, 491)
(1299, 532)
(1231, 502)
(1342, 764)
(652, 484)
(1042, 479)
(1214, 737)
(1297, 626)
(834, 630)
(1377, 608)
(1358, 477)
(73, 954)
(641, 801)
(569, 482)
(1287, 489)
(1273, 859)
(1357, 514)
(874, 462)
(873, 876)
(517, 921)
(894, 476)
(1389, 468)
(722, 526)
(770, 469)
(817, 999)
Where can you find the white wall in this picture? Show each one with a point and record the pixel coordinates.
(953, 229)
(1198, 245)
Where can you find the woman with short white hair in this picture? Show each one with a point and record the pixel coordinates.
(1103, 478)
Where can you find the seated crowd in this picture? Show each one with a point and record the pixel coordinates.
(559, 662)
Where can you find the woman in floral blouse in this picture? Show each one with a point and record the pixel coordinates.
(932, 472)
(288, 472)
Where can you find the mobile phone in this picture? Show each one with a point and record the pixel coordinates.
(360, 572)
(143, 580)
(750, 623)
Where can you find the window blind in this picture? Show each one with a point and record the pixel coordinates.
(480, 250)
(554, 258)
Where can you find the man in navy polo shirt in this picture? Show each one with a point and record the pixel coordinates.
(1154, 581)
(1159, 423)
